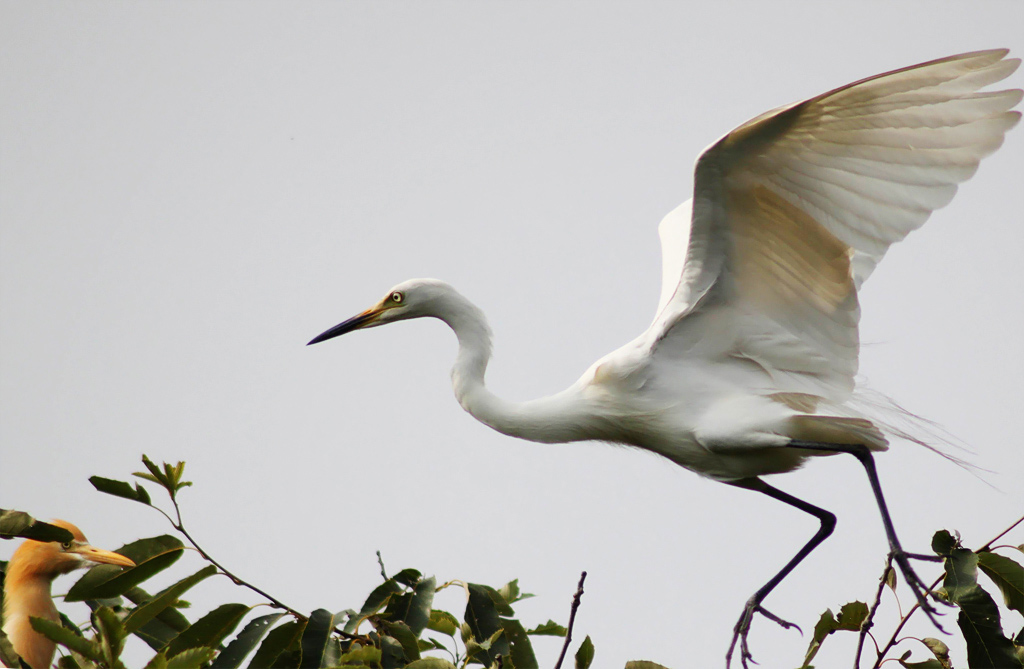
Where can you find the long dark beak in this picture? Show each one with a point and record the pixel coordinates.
(351, 324)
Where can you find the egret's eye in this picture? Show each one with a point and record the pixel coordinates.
(397, 297)
(67, 545)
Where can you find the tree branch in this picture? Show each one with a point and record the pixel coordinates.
(572, 619)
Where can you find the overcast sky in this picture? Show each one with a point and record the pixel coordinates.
(190, 191)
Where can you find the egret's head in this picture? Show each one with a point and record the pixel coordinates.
(50, 558)
(410, 299)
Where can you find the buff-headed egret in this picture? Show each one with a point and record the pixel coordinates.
(30, 574)
(748, 367)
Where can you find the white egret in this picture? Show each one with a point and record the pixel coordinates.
(748, 368)
(30, 574)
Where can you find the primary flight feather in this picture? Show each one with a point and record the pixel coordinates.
(748, 367)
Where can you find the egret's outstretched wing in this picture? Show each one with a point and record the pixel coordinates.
(793, 210)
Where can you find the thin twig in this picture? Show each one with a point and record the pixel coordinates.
(179, 526)
(866, 626)
(893, 640)
(572, 619)
(1001, 535)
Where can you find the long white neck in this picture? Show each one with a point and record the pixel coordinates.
(557, 418)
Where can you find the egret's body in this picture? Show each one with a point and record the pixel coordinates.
(30, 574)
(681, 412)
(748, 367)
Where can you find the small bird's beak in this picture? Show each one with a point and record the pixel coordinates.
(354, 323)
(101, 556)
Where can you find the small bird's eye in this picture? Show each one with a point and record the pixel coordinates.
(67, 545)
(397, 297)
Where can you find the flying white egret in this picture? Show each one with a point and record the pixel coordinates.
(748, 368)
(30, 573)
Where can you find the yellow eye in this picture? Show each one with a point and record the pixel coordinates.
(397, 297)
(67, 545)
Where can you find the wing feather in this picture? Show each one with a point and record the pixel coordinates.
(793, 209)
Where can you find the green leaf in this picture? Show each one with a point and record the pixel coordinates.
(193, 658)
(890, 578)
(430, 663)
(521, 650)
(482, 616)
(168, 597)
(500, 604)
(392, 656)
(550, 628)
(148, 477)
(67, 638)
(156, 633)
(315, 637)
(69, 662)
(278, 641)
(826, 624)
(68, 623)
(418, 615)
(401, 633)
(429, 644)
(151, 556)
(155, 471)
(209, 630)
(413, 607)
(365, 655)
(927, 664)
(510, 592)
(143, 550)
(120, 489)
(987, 648)
(20, 524)
(407, 577)
(159, 631)
(111, 633)
(961, 577)
(1008, 575)
(443, 622)
(643, 664)
(944, 543)
(243, 644)
(159, 661)
(940, 650)
(852, 615)
(376, 600)
(585, 654)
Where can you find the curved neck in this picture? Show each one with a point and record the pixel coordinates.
(29, 596)
(556, 418)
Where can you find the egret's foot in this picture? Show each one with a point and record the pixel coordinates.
(739, 633)
(917, 586)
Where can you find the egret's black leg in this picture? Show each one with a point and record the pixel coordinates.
(828, 523)
(902, 558)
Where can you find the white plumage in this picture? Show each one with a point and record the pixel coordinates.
(748, 367)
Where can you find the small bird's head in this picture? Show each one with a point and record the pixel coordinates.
(50, 559)
(415, 298)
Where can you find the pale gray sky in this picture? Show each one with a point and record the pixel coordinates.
(190, 191)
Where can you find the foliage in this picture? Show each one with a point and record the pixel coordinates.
(978, 619)
(398, 626)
